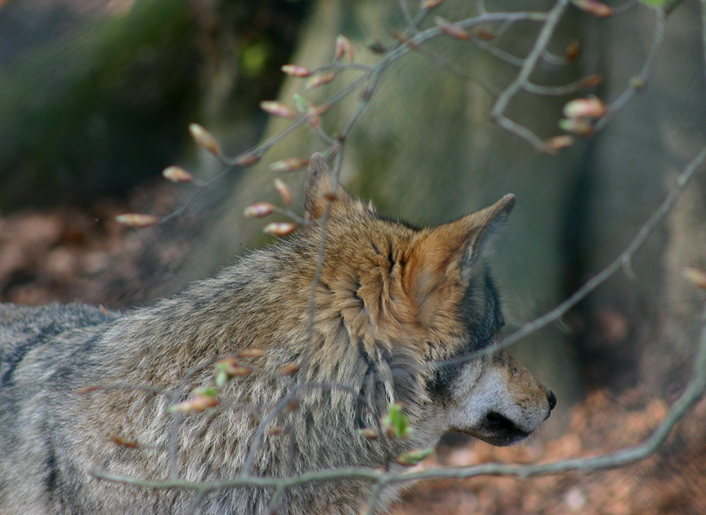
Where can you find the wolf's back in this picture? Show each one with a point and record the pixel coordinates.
(40, 349)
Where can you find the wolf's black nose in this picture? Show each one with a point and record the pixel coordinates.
(552, 400)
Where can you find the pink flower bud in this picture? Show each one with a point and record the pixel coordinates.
(483, 33)
(259, 210)
(591, 107)
(137, 220)
(248, 159)
(204, 139)
(252, 352)
(557, 143)
(573, 50)
(451, 29)
(580, 126)
(289, 165)
(695, 276)
(369, 433)
(280, 228)
(295, 70)
(288, 370)
(124, 443)
(594, 7)
(177, 174)
(293, 404)
(313, 117)
(277, 109)
(592, 80)
(284, 191)
(344, 47)
(320, 79)
(195, 405)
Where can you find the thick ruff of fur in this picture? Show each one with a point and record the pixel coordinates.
(396, 309)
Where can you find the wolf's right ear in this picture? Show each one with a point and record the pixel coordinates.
(318, 185)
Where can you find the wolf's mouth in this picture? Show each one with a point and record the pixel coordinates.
(497, 429)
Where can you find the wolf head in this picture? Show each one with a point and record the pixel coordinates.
(420, 305)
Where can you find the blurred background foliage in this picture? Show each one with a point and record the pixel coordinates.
(96, 94)
(96, 97)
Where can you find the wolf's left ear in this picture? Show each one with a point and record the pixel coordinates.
(452, 251)
(481, 227)
(318, 183)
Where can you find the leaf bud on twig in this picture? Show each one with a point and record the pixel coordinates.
(204, 139)
(573, 50)
(284, 191)
(277, 109)
(137, 220)
(320, 79)
(343, 47)
(580, 126)
(259, 210)
(195, 405)
(429, 4)
(369, 433)
(483, 33)
(557, 143)
(594, 7)
(451, 29)
(296, 70)
(251, 352)
(124, 443)
(413, 457)
(696, 276)
(280, 228)
(288, 369)
(289, 165)
(248, 159)
(592, 80)
(591, 107)
(291, 406)
(376, 46)
(177, 174)
(638, 82)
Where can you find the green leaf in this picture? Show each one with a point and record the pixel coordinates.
(411, 458)
(301, 103)
(222, 378)
(396, 422)
(206, 391)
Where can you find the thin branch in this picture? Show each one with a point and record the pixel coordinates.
(638, 82)
(553, 17)
(598, 279)
(693, 392)
(557, 91)
(406, 13)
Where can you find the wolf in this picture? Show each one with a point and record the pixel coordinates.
(283, 364)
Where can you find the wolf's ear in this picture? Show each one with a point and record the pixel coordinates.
(450, 252)
(319, 182)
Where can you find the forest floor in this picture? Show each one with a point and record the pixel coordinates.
(66, 254)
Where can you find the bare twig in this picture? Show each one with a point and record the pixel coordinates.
(553, 17)
(638, 82)
(598, 279)
(693, 392)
